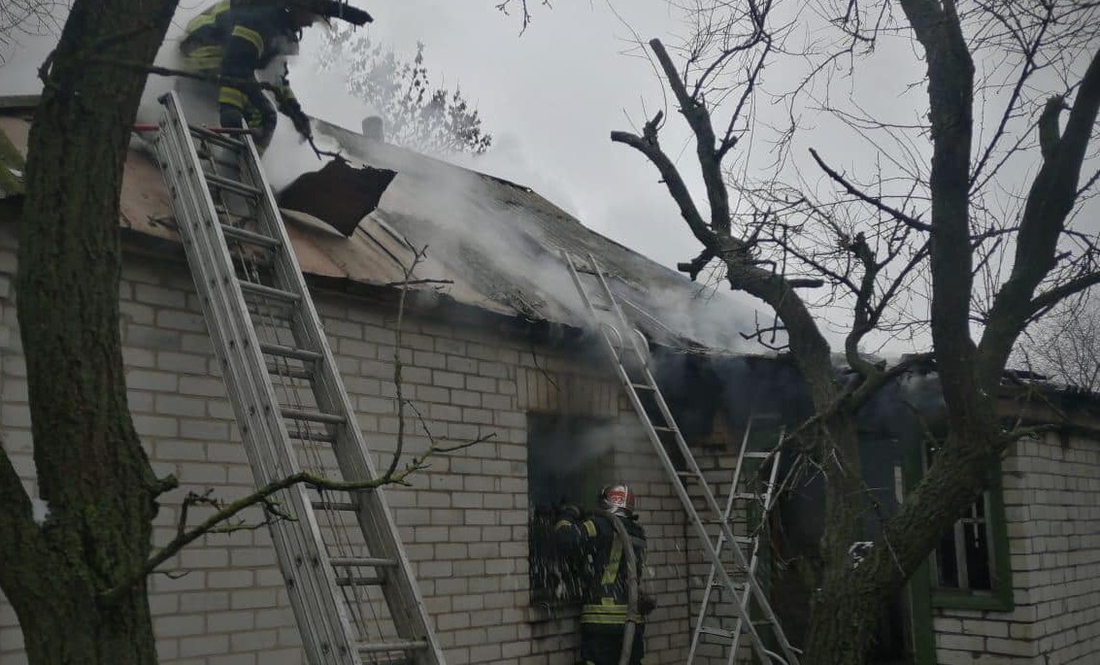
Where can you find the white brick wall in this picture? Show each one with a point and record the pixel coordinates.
(464, 521)
(1052, 506)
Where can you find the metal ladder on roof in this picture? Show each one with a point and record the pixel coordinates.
(349, 581)
(706, 622)
(631, 350)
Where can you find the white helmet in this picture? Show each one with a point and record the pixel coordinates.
(617, 500)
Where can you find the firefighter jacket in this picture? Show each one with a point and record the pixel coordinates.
(235, 41)
(607, 585)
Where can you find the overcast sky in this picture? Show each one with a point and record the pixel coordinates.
(549, 97)
(552, 95)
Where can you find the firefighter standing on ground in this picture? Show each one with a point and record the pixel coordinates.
(234, 39)
(607, 614)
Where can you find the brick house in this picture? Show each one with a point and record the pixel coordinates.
(497, 349)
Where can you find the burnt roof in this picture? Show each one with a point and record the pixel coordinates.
(490, 243)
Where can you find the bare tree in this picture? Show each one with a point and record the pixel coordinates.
(1064, 346)
(29, 18)
(959, 223)
(416, 112)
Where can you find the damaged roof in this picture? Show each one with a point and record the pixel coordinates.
(486, 242)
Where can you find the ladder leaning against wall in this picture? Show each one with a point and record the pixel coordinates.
(349, 581)
(630, 357)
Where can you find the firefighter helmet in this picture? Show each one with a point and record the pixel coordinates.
(617, 499)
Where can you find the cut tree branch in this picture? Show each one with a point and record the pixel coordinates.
(648, 145)
(698, 117)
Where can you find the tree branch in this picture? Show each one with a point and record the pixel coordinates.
(418, 256)
(1049, 203)
(877, 203)
(648, 145)
(1056, 294)
(1027, 70)
(262, 497)
(951, 94)
(698, 117)
(862, 323)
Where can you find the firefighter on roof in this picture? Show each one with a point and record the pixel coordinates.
(612, 538)
(234, 39)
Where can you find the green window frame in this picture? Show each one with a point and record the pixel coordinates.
(926, 594)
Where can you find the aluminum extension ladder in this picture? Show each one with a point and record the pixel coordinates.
(630, 349)
(743, 496)
(346, 572)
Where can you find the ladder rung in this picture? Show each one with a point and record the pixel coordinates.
(269, 292)
(215, 137)
(350, 561)
(313, 416)
(642, 386)
(394, 660)
(737, 586)
(717, 632)
(361, 580)
(231, 185)
(290, 352)
(289, 373)
(252, 237)
(303, 435)
(744, 540)
(757, 455)
(664, 429)
(340, 506)
(745, 496)
(382, 647)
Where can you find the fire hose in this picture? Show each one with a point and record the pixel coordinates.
(632, 615)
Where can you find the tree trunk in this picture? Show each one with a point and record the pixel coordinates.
(75, 628)
(92, 471)
(842, 618)
(842, 623)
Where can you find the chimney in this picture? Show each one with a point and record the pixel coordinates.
(372, 128)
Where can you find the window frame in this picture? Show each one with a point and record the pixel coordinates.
(1001, 597)
(590, 480)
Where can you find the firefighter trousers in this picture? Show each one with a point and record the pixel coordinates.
(602, 644)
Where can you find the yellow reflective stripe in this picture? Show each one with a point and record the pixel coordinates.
(604, 614)
(590, 527)
(204, 58)
(208, 17)
(250, 35)
(609, 608)
(562, 524)
(232, 96)
(612, 569)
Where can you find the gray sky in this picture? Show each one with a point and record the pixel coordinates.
(549, 97)
(552, 96)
